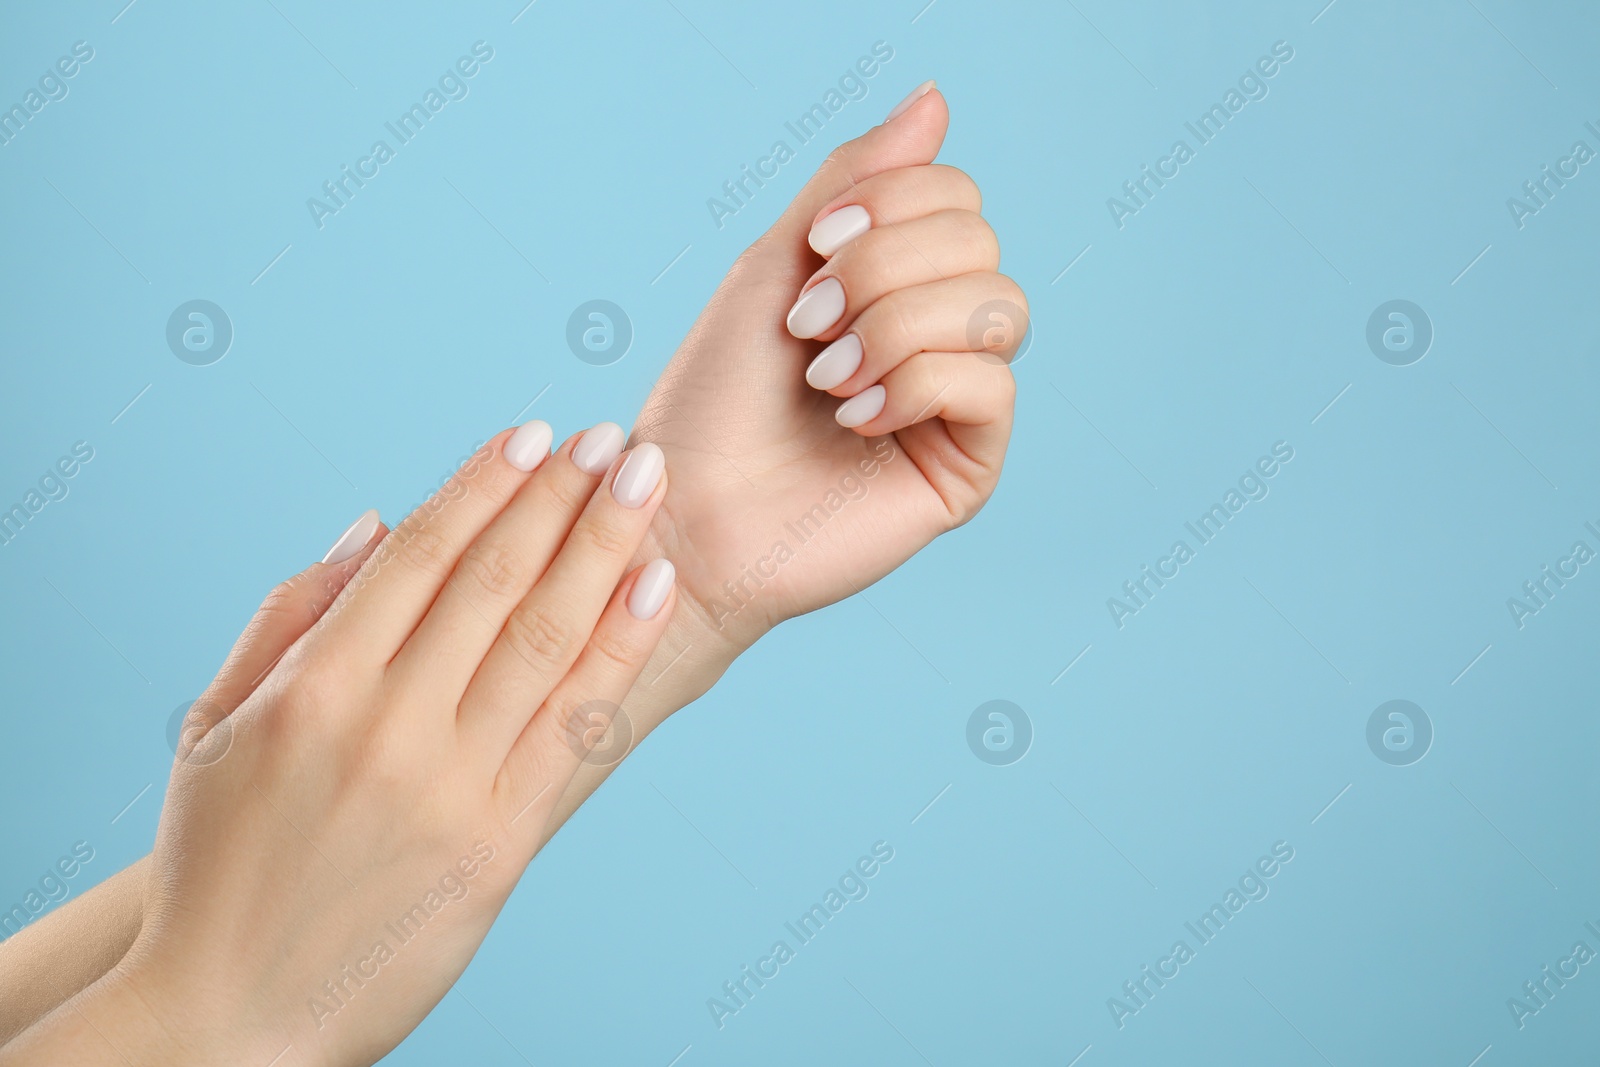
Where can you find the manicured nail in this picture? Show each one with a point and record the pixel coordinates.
(529, 445)
(638, 476)
(905, 105)
(650, 589)
(598, 447)
(834, 364)
(861, 408)
(354, 539)
(819, 308)
(838, 228)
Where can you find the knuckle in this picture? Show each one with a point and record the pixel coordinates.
(937, 187)
(308, 693)
(965, 188)
(1018, 296)
(295, 604)
(1005, 383)
(605, 539)
(426, 549)
(861, 261)
(901, 324)
(538, 635)
(1005, 287)
(978, 235)
(618, 653)
(568, 496)
(283, 601)
(494, 568)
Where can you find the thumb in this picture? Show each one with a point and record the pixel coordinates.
(910, 138)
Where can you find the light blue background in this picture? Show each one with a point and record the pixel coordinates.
(1221, 319)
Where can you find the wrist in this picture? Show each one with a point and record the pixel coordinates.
(703, 637)
(130, 1016)
(692, 655)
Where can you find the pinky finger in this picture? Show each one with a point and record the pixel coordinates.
(971, 393)
(582, 721)
(291, 609)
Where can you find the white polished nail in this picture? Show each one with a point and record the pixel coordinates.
(818, 309)
(638, 476)
(529, 445)
(599, 446)
(861, 408)
(838, 228)
(905, 105)
(354, 539)
(834, 364)
(650, 589)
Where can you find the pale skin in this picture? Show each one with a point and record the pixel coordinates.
(749, 446)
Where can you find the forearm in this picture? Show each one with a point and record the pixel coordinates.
(120, 1020)
(51, 961)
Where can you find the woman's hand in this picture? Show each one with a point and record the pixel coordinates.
(74, 945)
(803, 473)
(332, 852)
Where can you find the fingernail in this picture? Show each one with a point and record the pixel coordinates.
(834, 364)
(354, 539)
(819, 308)
(598, 448)
(527, 447)
(838, 228)
(905, 105)
(638, 476)
(650, 589)
(861, 408)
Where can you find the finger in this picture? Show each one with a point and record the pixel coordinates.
(953, 406)
(291, 609)
(982, 312)
(943, 245)
(581, 723)
(502, 565)
(547, 630)
(911, 139)
(889, 199)
(392, 592)
(954, 386)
